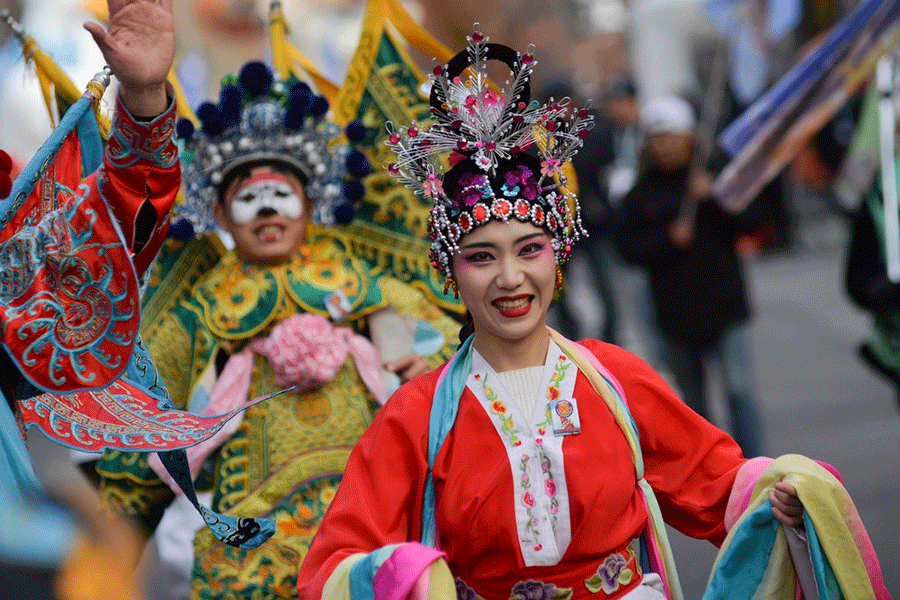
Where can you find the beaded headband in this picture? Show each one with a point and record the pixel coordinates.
(263, 120)
(488, 138)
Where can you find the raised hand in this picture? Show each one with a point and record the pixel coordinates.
(139, 46)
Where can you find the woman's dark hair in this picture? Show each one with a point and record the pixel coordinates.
(467, 329)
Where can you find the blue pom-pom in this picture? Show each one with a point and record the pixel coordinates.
(181, 229)
(211, 117)
(300, 96)
(344, 213)
(319, 106)
(231, 117)
(184, 128)
(354, 190)
(213, 128)
(293, 119)
(356, 131)
(208, 112)
(231, 95)
(256, 78)
(357, 164)
(300, 87)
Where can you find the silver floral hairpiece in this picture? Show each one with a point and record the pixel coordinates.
(488, 138)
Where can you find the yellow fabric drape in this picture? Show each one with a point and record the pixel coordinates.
(286, 57)
(57, 88)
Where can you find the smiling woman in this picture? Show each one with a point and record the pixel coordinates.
(527, 466)
(505, 273)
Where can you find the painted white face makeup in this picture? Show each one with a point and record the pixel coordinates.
(263, 191)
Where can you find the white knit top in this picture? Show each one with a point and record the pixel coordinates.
(522, 385)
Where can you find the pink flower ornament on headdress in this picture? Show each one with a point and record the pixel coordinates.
(549, 167)
(432, 186)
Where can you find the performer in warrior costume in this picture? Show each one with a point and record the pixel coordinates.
(526, 466)
(289, 305)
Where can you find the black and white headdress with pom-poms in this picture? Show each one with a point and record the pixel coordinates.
(505, 152)
(260, 119)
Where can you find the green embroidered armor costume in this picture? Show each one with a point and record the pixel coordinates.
(287, 457)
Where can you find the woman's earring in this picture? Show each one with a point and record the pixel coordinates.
(450, 284)
(559, 278)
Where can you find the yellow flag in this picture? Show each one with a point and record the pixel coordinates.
(384, 84)
(288, 60)
(57, 89)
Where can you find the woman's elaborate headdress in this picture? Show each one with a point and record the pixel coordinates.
(262, 119)
(506, 152)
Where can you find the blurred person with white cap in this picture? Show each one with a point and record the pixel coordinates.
(668, 224)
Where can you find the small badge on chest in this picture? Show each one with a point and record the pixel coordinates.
(338, 305)
(564, 416)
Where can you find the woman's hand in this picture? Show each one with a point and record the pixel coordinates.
(139, 46)
(408, 367)
(786, 505)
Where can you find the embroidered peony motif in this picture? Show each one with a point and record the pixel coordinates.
(550, 487)
(611, 574)
(523, 590)
(464, 592)
(528, 502)
(538, 590)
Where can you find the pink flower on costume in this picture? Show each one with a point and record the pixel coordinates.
(528, 499)
(305, 350)
(550, 487)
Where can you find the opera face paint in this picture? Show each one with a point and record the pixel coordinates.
(266, 215)
(506, 274)
(266, 191)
